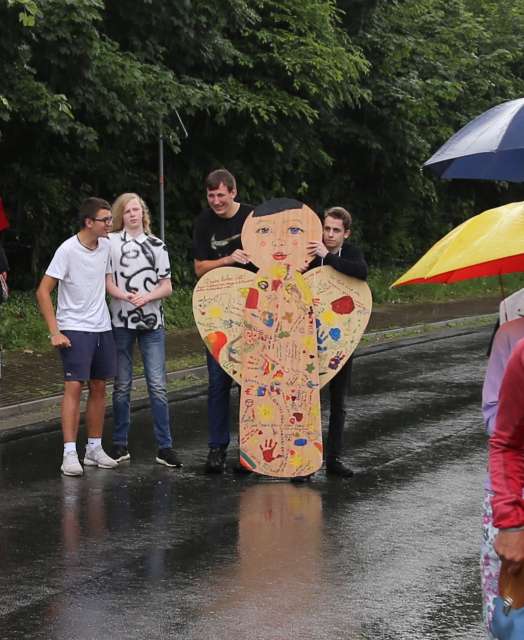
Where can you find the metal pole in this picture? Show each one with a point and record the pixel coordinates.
(161, 170)
(161, 179)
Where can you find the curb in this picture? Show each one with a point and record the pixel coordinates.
(43, 403)
(200, 373)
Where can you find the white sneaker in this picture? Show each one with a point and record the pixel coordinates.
(70, 465)
(97, 457)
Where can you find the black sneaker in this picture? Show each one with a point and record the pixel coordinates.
(335, 467)
(120, 453)
(216, 460)
(168, 457)
(239, 468)
(301, 479)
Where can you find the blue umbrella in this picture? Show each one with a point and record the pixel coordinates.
(490, 147)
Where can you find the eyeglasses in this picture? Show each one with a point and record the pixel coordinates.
(106, 220)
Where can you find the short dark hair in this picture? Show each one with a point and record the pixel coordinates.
(339, 213)
(276, 205)
(218, 177)
(89, 208)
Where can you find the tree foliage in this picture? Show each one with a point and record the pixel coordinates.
(435, 64)
(331, 102)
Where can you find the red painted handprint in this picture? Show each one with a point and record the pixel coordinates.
(268, 451)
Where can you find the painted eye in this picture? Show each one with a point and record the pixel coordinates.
(264, 230)
(295, 230)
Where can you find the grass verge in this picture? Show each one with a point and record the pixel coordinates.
(22, 327)
(380, 280)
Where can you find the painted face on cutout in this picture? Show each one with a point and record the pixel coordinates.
(278, 231)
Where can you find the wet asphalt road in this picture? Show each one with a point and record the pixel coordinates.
(147, 552)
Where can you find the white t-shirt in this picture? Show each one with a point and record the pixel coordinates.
(82, 288)
(138, 264)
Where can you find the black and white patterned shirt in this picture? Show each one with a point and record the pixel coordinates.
(137, 264)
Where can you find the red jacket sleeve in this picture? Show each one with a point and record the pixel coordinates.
(506, 446)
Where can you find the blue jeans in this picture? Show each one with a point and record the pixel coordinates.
(151, 343)
(218, 396)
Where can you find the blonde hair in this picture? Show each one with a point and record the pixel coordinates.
(117, 211)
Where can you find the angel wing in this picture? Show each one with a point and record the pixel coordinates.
(342, 309)
(218, 303)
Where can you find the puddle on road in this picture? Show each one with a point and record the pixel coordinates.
(176, 553)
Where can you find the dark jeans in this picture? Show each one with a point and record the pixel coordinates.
(218, 398)
(338, 389)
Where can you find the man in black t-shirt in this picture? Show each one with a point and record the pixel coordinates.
(217, 243)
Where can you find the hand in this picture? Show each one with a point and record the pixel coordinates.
(239, 256)
(317, 248)
(140, 299)
(60, 341)
(509, 546)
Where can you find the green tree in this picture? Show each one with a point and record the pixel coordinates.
(330, 102)
(88, 89)
(435, 64)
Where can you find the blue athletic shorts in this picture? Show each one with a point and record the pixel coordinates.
(92, 356)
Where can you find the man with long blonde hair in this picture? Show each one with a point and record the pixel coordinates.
(140, 278)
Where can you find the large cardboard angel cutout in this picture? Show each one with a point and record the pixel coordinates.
(281, 335)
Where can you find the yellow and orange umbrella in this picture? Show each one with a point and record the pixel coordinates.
(489, 244)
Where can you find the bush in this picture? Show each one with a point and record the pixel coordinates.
(21, 325)
(178, 309)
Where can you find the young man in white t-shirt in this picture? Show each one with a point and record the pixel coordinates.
(81, 330)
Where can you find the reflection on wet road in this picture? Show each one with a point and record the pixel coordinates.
(147, 552)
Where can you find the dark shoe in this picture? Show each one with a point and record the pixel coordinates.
(301, 479)
(168, 457)
(239, 468)
(120, 453)
(335, 467)
(216, 460)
